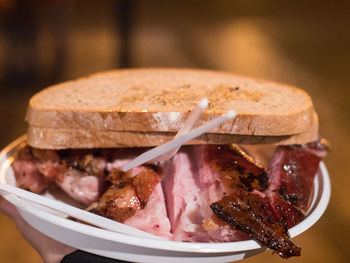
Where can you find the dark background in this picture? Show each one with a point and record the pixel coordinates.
(303, 43)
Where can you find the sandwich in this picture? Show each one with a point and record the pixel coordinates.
(251, 177)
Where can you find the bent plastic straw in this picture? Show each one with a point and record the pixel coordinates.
(188, 125)
(177, 142)
(77, 213)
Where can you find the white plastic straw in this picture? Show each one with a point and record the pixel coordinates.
(188, 125)
(177, 142)
(77, 213)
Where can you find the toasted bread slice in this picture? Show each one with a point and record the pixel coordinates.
(60, 138)
(159, 100)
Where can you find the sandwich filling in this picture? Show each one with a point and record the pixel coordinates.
(205, 193)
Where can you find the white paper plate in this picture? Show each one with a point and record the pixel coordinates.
(130, 248)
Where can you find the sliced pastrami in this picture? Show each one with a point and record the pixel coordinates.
(179, 187)
(266, 216)
(35, 169)
(237, 210)
(292, 171)
(190, 186)
(236, 169)
(136, 198)
(27, 174)
(212, 193)
(153, 217)
(117, 203)
(185, 198)
(80, 186)
(245, 207)
(284, 212)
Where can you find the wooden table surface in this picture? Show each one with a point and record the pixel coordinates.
(303, 44)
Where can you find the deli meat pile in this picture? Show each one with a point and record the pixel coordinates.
(205, 193)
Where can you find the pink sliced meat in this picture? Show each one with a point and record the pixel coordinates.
(178, 182)
(184, 199)
(153, 218)
(135, 198)
(28, 177)
(36, 169)
(80, 186)
(190, 186)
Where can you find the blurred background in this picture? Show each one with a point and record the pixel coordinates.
(303, 43)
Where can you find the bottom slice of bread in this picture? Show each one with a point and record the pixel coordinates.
(48, 138)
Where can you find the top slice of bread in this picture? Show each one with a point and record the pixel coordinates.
(159, 100)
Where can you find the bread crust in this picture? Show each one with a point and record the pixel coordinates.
(159, 100)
